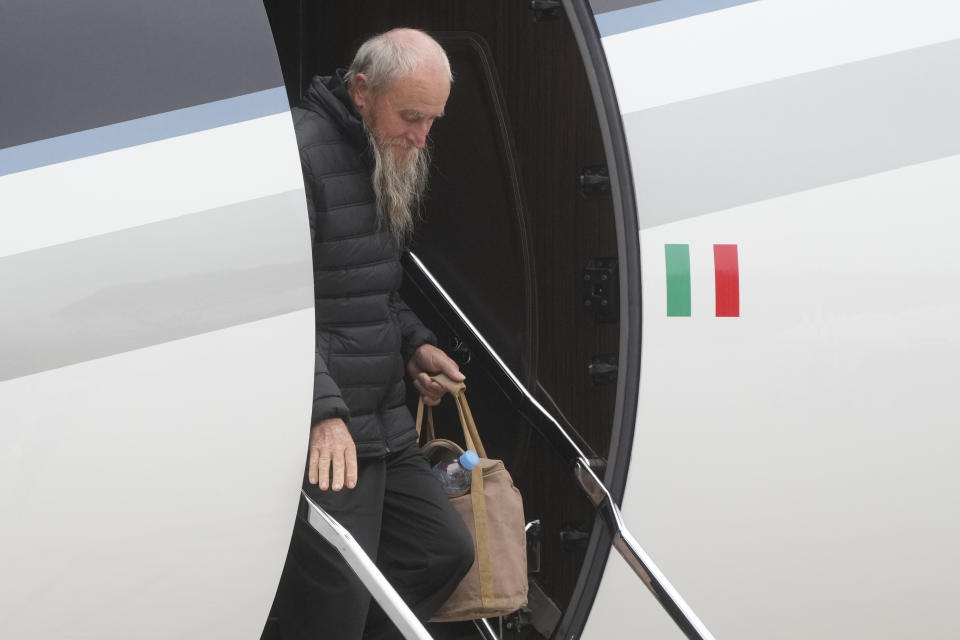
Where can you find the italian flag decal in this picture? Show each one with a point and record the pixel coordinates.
(726, 280)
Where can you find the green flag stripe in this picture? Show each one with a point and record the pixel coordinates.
(678, 279)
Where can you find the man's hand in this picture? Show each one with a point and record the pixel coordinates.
(332, 446)
(428, 360)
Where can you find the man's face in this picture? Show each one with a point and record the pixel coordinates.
(401, 114)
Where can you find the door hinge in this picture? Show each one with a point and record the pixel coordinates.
(603, 369)
(601, 291)
(544, 10)
(459, 351)
(594, 181)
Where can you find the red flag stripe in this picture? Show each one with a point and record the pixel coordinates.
(727, 272)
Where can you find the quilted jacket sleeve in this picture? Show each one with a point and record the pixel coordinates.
(327, 401)
(415, 334)
(310, 189)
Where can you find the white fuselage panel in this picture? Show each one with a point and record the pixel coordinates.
(793, 470)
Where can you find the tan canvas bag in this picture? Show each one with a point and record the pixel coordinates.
(493, 512)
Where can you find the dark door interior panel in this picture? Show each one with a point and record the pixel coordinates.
(474, 236)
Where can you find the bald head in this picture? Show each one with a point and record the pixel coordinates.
(396, 54)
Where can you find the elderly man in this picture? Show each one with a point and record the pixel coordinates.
(362, 137)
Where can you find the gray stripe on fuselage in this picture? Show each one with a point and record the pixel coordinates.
(142, 130)
(651, 13)
(605, 6)
(154, 283)
(70, 66)
(758, 142)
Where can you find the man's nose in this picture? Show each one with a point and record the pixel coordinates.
(418, 134)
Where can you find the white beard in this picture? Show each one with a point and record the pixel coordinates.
(399, 185)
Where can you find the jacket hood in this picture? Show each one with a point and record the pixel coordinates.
(327, 95)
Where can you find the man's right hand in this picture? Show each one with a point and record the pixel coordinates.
(332, 452)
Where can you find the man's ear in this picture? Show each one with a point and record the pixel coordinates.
(360, 91)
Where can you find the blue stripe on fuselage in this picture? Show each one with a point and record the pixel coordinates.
(645, 15)
(143, 130)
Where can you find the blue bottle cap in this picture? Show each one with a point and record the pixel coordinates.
(469, 459)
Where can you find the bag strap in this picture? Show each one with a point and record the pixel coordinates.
(479, 499)
(481, 531)
(470, 434)
(431, 432)
(468, 422)
(419, 420)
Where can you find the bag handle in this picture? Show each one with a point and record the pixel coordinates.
(470, 434)
(449, 385)
(430, 433)
(453, 388)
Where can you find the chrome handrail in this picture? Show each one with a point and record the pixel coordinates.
(638, 560)
(368, 573)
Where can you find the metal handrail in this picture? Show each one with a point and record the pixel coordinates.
(549, 428)
(485, 629)
(368, 573)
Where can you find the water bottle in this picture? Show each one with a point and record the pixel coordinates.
(454, 472)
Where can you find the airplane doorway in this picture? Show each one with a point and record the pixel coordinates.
(520, 230)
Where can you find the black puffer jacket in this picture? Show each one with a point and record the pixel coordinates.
(365, 332)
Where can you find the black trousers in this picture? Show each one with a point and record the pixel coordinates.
(400, 516)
